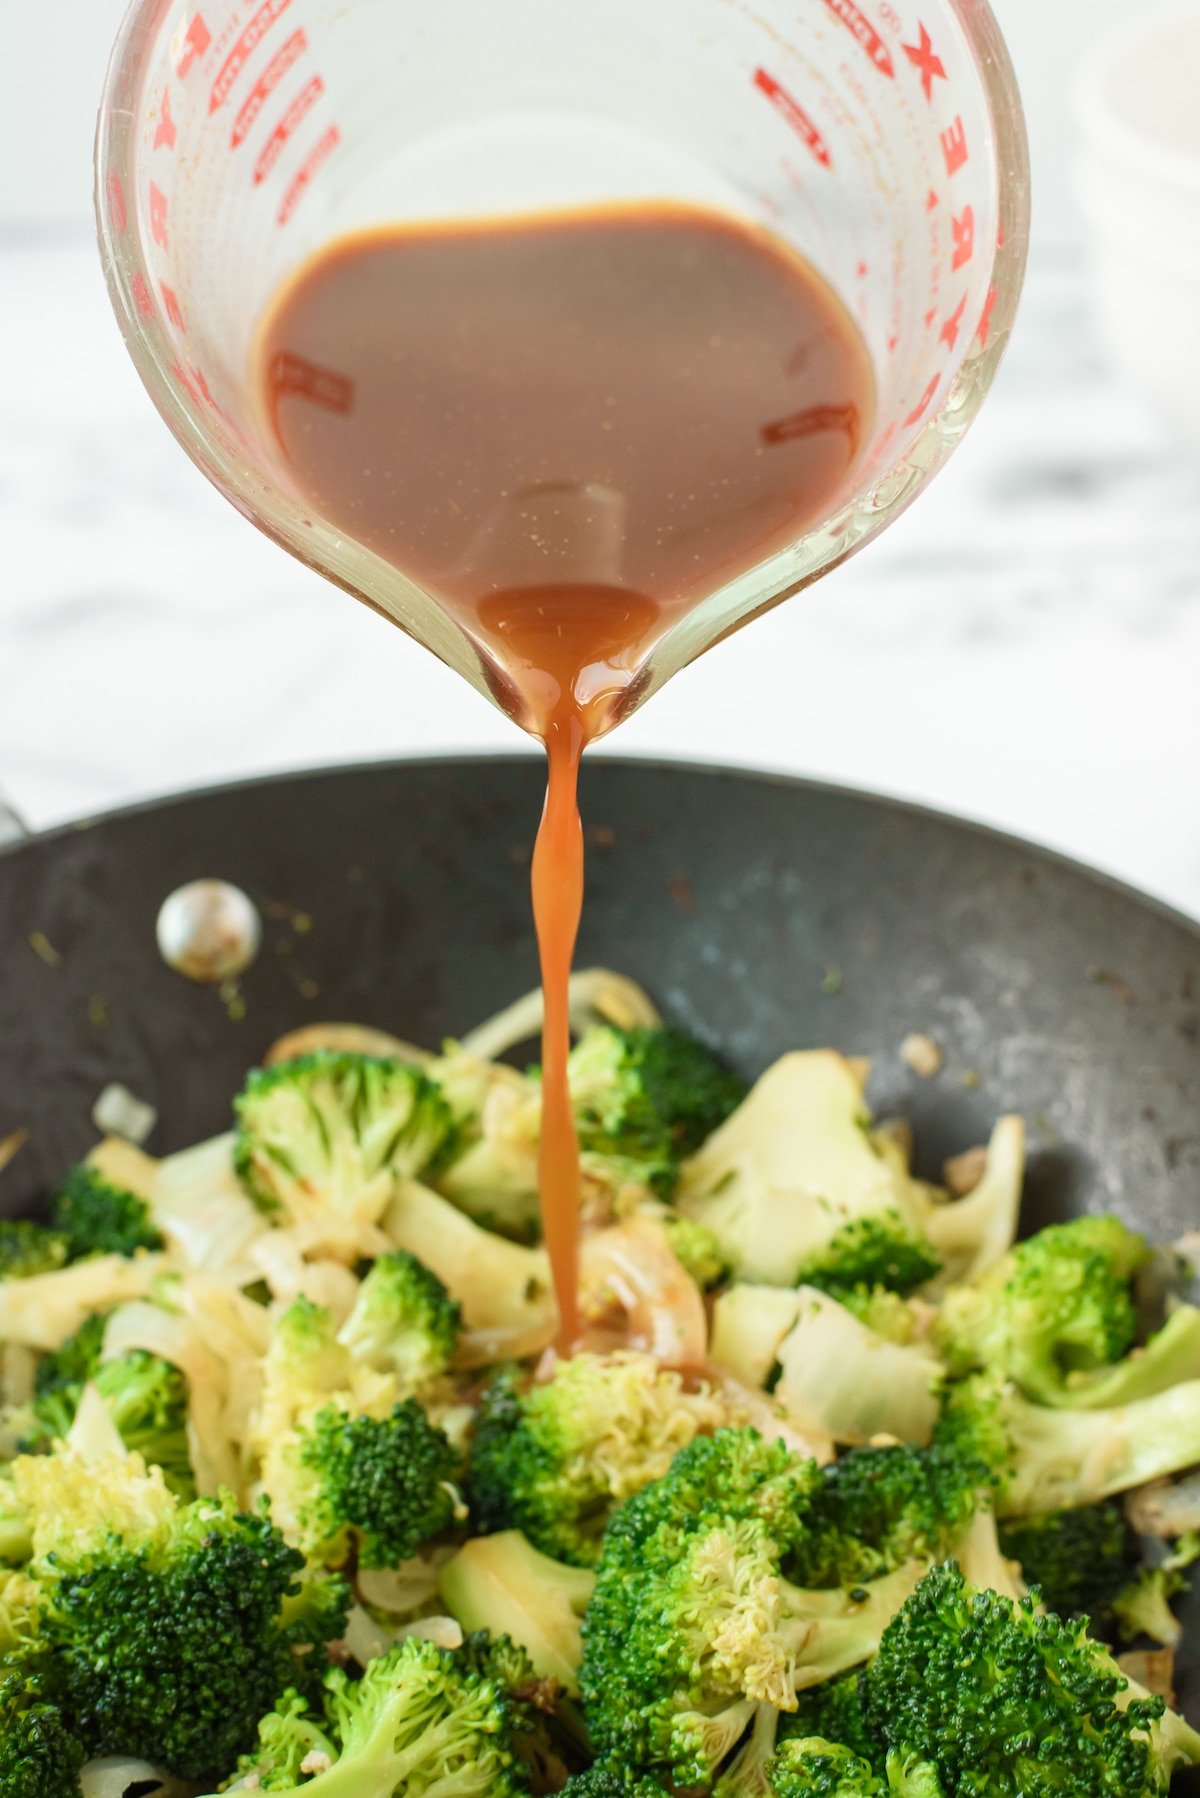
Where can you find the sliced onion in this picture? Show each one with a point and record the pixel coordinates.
(353, 1039)
(113, 1776)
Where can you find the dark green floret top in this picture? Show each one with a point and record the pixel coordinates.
(98, 1218)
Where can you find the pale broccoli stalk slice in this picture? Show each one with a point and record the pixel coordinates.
(1046, 1460)
(793, 1181)
(404, 1321)
(1143, 1606)
(503, 1585)
(840, 1378)
(322, 1141)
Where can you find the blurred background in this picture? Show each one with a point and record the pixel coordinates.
(1023, 647)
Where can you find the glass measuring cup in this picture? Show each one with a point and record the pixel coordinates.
(885, 142)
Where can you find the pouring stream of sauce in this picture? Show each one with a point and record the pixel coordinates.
(569, 430)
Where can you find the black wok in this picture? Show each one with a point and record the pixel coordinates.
(762, 913)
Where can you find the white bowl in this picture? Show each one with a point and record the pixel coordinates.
(1138, 179)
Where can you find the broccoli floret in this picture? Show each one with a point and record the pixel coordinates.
(417, 1722)
(27, 1248)
(348, 1465)
(146, 1397)
(1043, 1459)
(1058, 1306)
(833, 1710)
(1077, 1559)
(871, 1252)
(1143, 1607)
(40, 1756)
(380, 1485)
(884, 1312)
(404, 1321)
(76, 1360)
(812, 1767)
(793, 1182)
(693, 1625)
(548, 1733)
(611, 1780)
(97, 1218)
(322, 1141)
(165, 1630)
(1006, 1703)
(553, 1459)
(877, 1508)
(502, 1585)
(697, 1250)
(648, 1096)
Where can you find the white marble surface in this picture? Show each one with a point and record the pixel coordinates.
(1023, 647)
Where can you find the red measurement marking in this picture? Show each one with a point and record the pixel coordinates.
(283, 59)
(954, 147)
(892, 344)
(985, 323)
(861, 28)
(812, 422)
(272, 150)
(290, 375)
(304, 176)
(790, 109)
(164, 137)
(141, 296)
(116, 203)
(923, 57)
(953, 324)
(196, 40)
(963, 229)
(172, 306)
(861, 271)
(931, 201)
(930, 316)
(158, 216)
(242, 51)
(922, 406)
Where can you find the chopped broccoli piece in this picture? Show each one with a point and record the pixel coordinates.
(648, 1096)
(553, 1459)
(416, 1723)
(811, 1767)
(1077, 1559)
(693, 1625)
(503, 1585)
(548, 1733)
(76, 1360)
(98, 1218)
(322, 1141)
(877, 1508)
(697, 1250)
(1043, 1459)
(1057, 1307)
(1143, 1607)
(40, 1756)
(878, 1251)
(1006, 1703)
(382, 1485)
(147, 1399)
(793, 1181)
(347, 1463)
(165, 1630)
(27, 1248)
(404, 1321)
(833, 1710)
(884, 1312)
(611, 1780)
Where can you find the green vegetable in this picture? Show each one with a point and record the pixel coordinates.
(1005, 1703)
(98, 1218)
(381, 1485)
(553, 1459)
(27, 1248)
(40, 1757)
(1077, 1559)
(404, 1321)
